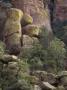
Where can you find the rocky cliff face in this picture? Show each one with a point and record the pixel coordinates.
(58, 14)
(60, 19)
(38, 10)
(35, 8)
(44, 14)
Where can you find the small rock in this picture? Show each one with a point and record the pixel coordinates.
(9, 58)
(60, 88)
(42, 75)
(36, 87)
(51, 78)
(29, 41)
(63, 73)
(63, 80)
(63, 77)
(13, 65)
(47, 86)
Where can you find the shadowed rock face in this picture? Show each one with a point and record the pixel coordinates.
(60, 19)
(2, 22)
(61, 10)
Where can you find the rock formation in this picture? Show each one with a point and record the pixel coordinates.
(38, 11)
(35, 17)
(35, 20)
(12, 31)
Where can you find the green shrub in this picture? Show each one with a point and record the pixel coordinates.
(50, 59)
(56, 55)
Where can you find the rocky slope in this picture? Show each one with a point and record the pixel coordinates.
(12, 76)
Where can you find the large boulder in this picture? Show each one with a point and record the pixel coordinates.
(47, 86)
(12, 31)
(63, 78)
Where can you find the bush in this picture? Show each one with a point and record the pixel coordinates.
(50, 59)
(56, 55)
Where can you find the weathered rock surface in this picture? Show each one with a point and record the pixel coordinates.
(35, 8)
(31, 30)
(12, 31)
(49, 81)
(11, 70)
(29, 41)
(46, 77)
(41, 14)
(27, 19)
(36, 16)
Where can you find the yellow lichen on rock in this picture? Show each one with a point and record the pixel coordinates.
(31, 30)
(12, 30)
(27, 19)
(15, 14)
(12, 27)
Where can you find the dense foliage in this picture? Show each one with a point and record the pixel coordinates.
(50, 59)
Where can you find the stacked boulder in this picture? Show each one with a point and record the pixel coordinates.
(8, 72)
(40, 16)
(21, 26)
(17, 26)
(12, 31)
